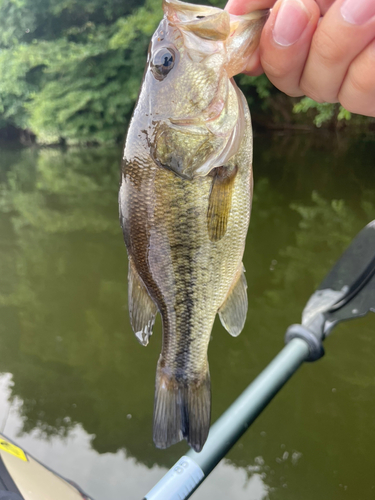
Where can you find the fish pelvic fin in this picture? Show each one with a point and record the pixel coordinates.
(220, 201)
(142, 309)
(182, 409)
(233, 312)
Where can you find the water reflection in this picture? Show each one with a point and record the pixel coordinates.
(112, 475)
(79, 373)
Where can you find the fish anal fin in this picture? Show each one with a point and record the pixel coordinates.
(182, 409)
(234, 309)
(220, 201)
(142, 309)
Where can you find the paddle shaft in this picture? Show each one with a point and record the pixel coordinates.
(191, 470)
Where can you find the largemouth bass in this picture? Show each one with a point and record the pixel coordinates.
(185, 200)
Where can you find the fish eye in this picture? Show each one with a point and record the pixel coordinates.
(162, 63)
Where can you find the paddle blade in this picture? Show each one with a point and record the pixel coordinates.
(348, 290)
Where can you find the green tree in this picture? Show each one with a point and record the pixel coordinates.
(71, 71)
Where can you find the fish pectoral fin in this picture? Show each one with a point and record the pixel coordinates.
(234, 309)
(220, 201)
(142, 309)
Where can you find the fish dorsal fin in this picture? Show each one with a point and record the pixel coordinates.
(220, 201)
(234, 309)
(142, 310)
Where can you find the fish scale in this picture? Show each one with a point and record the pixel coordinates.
(185, 200)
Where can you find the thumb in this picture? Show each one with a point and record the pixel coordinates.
(240, 7)
(285, 42)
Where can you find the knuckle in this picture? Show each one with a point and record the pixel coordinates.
(294, 93)
(327, 48)
(358, 106)
(274, 71)
(359, 83)
(309, 91)
(357, 92)
(318, 91)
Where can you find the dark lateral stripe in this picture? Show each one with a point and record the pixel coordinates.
(185, 248)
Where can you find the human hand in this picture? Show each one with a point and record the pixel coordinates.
(329, 58)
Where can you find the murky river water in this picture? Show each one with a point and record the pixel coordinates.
(76, 388)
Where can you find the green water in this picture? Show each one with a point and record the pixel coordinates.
(74, 363)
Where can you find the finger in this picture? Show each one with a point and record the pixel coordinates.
(285, 42)
(324, 5)
(357, 93)
(239, 7)
(343, 33)
(253, 65)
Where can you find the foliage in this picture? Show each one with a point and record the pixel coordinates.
(71, 70)
(325, 111)
(77, 83)
(261, 83)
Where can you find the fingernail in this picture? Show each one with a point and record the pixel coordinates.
(291, 21)
(358, 11)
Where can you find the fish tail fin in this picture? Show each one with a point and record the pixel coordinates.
(182, 409)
